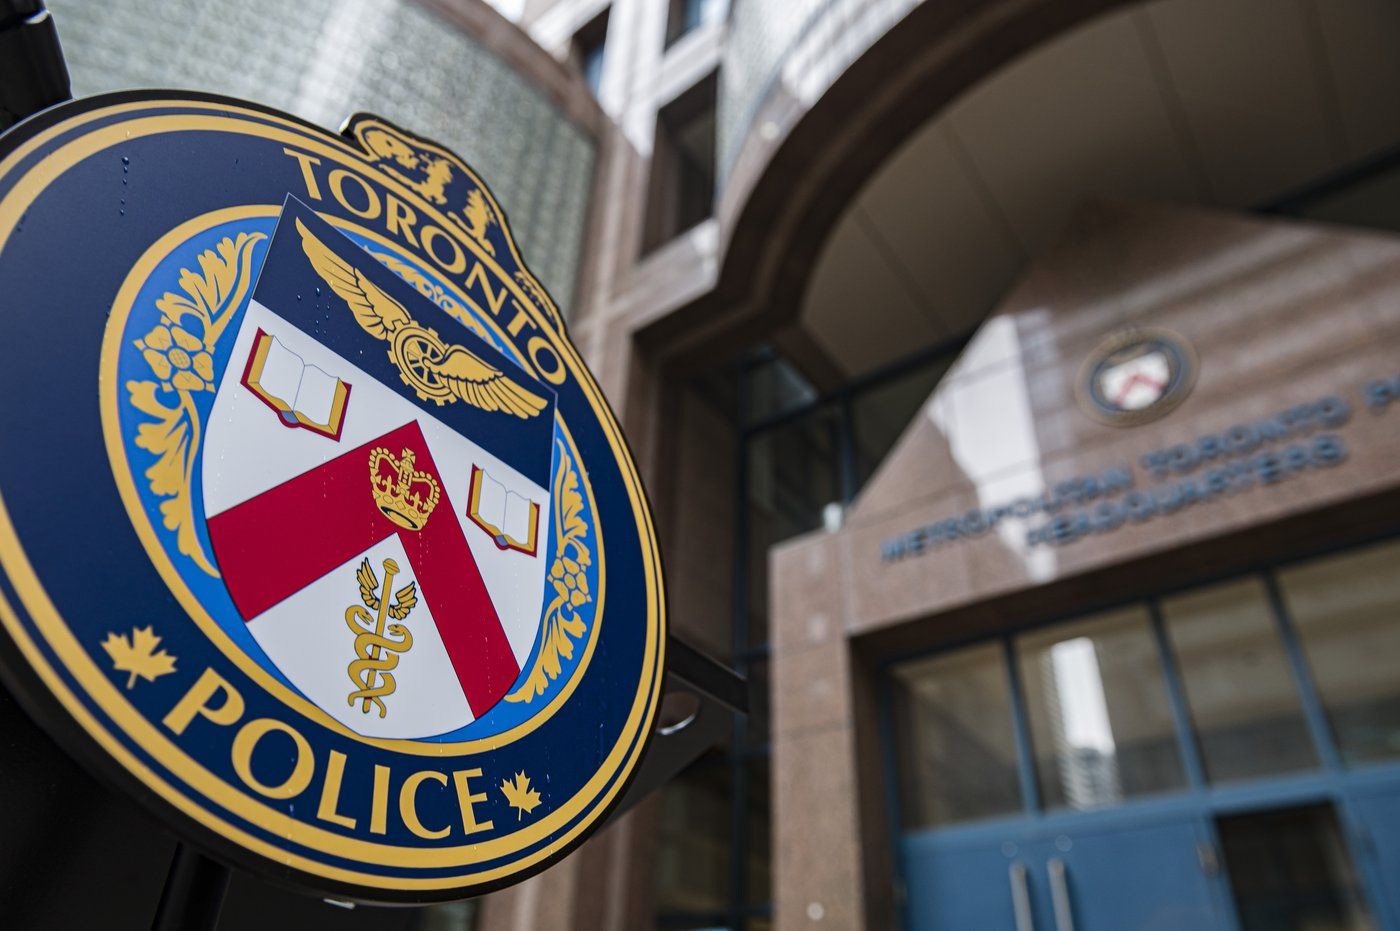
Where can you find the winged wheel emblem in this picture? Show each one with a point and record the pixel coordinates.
(437, 370)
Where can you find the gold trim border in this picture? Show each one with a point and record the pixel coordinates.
(122, 308)
(626, 751)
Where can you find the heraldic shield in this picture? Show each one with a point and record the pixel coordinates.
(350, 577)
(376, 494)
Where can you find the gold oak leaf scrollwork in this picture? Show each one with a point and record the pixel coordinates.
(568, 577)
(180, 353)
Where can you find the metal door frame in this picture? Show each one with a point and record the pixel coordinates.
(1333, 781)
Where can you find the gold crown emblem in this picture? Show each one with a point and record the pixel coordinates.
(404, 495)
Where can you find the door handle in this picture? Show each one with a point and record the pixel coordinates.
(1208, 857)
(1021, 898)
(1059, 895)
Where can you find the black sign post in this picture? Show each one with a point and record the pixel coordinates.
(32, 73)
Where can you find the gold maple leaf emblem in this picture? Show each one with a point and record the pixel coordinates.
(138, 655)
(521, 797)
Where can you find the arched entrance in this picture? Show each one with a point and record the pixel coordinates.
(1226, 106)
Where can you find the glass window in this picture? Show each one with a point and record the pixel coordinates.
(1290, 870)
(792, 477)
(590, 43)
(756, 733)
(757, 618)
(592, 64)
(1101, 722)
(758, 877)
(684, 16)
(1243, 699)
(681, 190)
(1347, 613)
(774, 387)
(453, 916)
(957, 746)
(1372, 200)
(881, 413)
(692, 861)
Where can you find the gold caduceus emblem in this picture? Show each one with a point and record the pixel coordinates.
(377, 647)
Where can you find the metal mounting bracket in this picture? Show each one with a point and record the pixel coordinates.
(717, 693)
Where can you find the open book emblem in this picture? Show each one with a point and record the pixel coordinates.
(302, 395)
(512, 520)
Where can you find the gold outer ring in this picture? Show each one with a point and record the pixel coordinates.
(583, 809)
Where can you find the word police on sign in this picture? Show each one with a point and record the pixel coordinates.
(323, 541)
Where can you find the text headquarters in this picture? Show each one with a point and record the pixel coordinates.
(1213, 466)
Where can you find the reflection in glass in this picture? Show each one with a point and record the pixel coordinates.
(452, 916)
(758, 842)
(956, 742)
(756, 732)
(593, 67)
(1347, 613)
(1371, 201)
(1290, 870)
(792, 477)
(692, 859)
(1101, 724)
(687, 15)
(1243, 700)
(792, 474)
(881, 414)
(773, 387)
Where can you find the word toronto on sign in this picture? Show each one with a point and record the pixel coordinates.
(1207, 469)
(324, 544)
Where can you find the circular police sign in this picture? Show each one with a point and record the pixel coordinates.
(1135, 376)
(317, 535)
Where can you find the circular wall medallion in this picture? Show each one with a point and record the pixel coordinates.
(1135, 376)
(317, 535)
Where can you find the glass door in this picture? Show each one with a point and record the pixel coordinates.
(1291, 870)
(1346, 610)
(1225, 757)
(1099, 705)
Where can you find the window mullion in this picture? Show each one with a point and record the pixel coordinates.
(1025, 769)
(847, 462)
(1176, 692)
(1324, 741)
